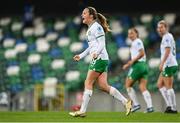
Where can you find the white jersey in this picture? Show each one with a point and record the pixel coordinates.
(168, 41)
(137, 45)
(96, 41)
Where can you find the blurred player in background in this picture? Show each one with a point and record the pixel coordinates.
(137, 72)
(97, 27)
(168, 67)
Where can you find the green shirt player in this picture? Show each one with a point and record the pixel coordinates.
(97, 26)
(137, 72)
(168, 67)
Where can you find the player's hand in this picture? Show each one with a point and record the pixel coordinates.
(125, 66)
(161, 67)
(130, 62)
(94, 55)
(76, 58)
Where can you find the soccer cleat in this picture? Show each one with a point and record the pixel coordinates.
(128, 107)
(77, 114)
(174, 111)
(135, 108)
(168, 109)
(149, 110)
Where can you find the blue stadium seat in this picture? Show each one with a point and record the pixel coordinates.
(55, 53)
(120, 40)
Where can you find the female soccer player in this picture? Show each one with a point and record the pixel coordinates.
(168, 67)
(97, 26)
(138, 71)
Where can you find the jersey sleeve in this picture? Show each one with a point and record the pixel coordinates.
(100, 38)
(101, 44)
(139, 45)
(99, 32)
(167, 41)
(84, 53)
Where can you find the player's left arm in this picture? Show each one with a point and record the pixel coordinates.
(140, 55)
(100, 38)
(101, 45)
(129, 63)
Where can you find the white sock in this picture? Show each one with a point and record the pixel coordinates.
(132, 95)
(86, 97)
(172, 98)
(147, 98)
(163, 91)
(115, 93)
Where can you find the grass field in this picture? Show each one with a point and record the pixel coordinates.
(91, 117)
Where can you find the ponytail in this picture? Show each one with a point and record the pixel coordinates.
(100, 18)
(103, 21)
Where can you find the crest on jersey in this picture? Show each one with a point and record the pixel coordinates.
(99, 29)
(167, 40)
(139, 44)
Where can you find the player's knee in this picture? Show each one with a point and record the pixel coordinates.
(127, 85)
(103, 87)
(88, 84)
(159, 85)
(142, 88)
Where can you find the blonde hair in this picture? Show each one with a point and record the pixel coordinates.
(163, 22)
(135, 30)
(100, 18)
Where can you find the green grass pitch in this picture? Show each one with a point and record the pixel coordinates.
(91, 117)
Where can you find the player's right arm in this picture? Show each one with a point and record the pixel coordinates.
(82, 55)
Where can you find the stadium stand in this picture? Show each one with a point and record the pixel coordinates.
(29, 55)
